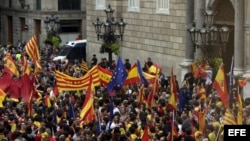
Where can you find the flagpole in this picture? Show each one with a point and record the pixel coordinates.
(218, 134)
(231, 75)
(172, 136)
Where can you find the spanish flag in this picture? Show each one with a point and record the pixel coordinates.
(26, 67)
(154, 69)
(145, 134)
(220, 85)
(243, 82)
(10, 66)
(2, 97)
(173, 90)
(47, 102)
(88, 101)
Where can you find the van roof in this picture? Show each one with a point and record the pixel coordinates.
(72, 43)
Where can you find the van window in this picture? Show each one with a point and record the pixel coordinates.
(78, 52)
(64, 51)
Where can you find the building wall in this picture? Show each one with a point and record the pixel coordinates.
(30, 14)
(147, 34)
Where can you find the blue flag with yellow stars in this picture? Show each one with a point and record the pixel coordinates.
(119, 76)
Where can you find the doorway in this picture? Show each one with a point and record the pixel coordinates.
(10, 29)
(225, 16)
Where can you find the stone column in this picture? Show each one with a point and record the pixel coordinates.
(199, 19)
(189, 54)
(239, 38)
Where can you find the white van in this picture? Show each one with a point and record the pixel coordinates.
(72, 50)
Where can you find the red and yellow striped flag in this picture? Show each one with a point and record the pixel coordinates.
(228, 118)
(84, 66)
(240, 110)
(33, 51)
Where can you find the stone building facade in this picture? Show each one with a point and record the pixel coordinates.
(150, 31)
(23, 18)
(158, 29)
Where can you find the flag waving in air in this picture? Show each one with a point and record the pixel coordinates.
(32, 50)
(220, 85)
(173, 96)
(118, 77)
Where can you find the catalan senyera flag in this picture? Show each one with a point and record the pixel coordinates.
(65, 82)
(228, 118)
(173, 90)
(99, 76)
(88, 101)
(84, 66)
(240, 110)
(220, 85)
(2, 97)
(32, 50)
(10, 66)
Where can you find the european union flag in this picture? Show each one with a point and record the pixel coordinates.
(143, 79)
(119, 76)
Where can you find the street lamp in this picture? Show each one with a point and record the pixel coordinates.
(52, 25)
(209, 35)
(108, 34)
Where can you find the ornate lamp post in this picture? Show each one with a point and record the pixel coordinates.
(52, 26)
(109, 35)
(209, 35)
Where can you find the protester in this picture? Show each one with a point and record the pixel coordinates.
(56, 114)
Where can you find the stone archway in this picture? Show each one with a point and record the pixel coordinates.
(225, 16)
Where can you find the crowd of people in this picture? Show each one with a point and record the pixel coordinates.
(129, 119)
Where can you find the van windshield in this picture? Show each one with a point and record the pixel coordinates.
(64, 51)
